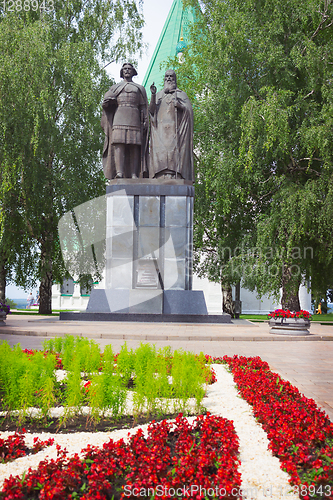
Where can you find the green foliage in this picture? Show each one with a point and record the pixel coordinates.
(187, 379)
(260, 78)
(146, 386)
(13, 367)
(125, 363)
(145, 357)
(11, 303)
(67, 352)
(106, 392)
(47, 398)
(74, 394)
(85, 352)
(88, 354)
(152, 381)
(108, 360)
(51, 84)
(26, 382)
(163, 373)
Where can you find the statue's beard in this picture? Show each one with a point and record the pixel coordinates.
(169, 86)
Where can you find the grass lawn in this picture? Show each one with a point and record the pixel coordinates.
(55, 312)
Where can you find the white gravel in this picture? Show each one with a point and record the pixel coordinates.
(261, 473)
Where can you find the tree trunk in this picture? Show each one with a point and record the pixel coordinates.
(45, 289)
(237, 303)
(227, 304)
(290, 290)
(292, 303)
(2, 281)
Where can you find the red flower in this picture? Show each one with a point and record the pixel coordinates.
(300, 433)
(203, 454)
(14, 447)
(280, 313)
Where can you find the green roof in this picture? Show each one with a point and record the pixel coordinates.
(175, 27)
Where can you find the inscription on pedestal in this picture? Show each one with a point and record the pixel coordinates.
(147, 274)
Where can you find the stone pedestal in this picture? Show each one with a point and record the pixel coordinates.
(149, 235)
(149, 232)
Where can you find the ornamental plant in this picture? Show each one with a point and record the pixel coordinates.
(175, 456)
(26, 380)
(46, 353)
(300, 434)
(4, 308)
(14, 446)
(105, 392)
(161, 381)
(281, 313)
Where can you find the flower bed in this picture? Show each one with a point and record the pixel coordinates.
(193, 461)
(300, 434)
(285, 322)
(100, 385)
(281, 313)
(14, 447)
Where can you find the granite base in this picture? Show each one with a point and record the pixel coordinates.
(125, 301)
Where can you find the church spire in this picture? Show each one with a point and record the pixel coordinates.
(174, 33)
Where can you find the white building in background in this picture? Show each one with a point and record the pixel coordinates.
(69, 296)
(72, 296)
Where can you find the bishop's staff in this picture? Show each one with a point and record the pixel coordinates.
(176, 126)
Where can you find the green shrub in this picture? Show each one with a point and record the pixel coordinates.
(74, 393)
(162, 382)
(188, 380)
(106, 392)
(108, 360)
(26, 381)
(125, 364)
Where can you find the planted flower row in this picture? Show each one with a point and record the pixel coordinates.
(14, 447)
(67, 343)
(282, 313)
(162, 382)
(190, 460)
(300, 434)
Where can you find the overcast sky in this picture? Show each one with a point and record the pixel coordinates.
(155, 13)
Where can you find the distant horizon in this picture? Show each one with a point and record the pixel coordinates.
(18, 293)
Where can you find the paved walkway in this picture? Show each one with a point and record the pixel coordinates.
(307, 362)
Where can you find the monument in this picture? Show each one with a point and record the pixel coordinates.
(149, 198)
(171, 129)
(125, 124)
